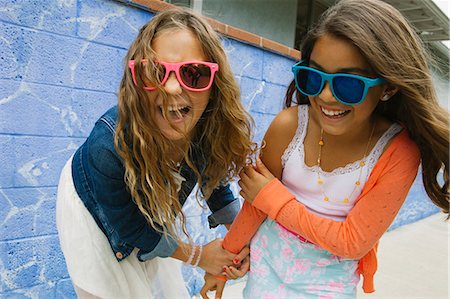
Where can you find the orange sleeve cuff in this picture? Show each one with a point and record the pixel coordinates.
(272, 198)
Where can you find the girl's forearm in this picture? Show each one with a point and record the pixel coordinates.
(243, 228)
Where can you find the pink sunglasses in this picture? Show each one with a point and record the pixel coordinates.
(192, 75)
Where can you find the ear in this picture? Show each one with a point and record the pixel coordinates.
(389, 91)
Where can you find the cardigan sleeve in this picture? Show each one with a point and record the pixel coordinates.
(243, 228)
(379, 203)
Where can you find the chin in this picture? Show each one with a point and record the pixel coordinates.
(173, 135)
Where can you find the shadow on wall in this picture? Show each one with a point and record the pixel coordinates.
(60, 67)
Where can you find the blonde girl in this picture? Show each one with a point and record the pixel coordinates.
(120, 197)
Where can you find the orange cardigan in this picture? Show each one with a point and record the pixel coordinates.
(357, 237)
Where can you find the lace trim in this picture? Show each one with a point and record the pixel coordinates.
(372, 158)
(299, 134)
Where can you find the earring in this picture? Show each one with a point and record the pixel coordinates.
(385, 98)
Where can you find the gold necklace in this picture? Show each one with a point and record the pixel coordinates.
(361, 165)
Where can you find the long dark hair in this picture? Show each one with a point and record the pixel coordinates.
(396, 53)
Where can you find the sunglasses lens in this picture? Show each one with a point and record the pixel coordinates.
(309, 82)
(348, 90)
(152, 76)
(195, 75)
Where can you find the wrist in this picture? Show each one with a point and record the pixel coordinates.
(194, 256)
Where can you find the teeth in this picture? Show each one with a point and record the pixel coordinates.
(175, 108)
(333, 112)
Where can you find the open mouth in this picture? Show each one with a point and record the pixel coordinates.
(174, 113)
(335, 114)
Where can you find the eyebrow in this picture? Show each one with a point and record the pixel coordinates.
(344, 70)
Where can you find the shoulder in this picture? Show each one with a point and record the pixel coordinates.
(100, 143)
(403, 146)
(110, 118)
(277, 139)
(284, 125)
(402, 153)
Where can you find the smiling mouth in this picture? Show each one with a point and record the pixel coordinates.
(334, 113)
(175, 112)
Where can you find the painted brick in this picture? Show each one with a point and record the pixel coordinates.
(87, 107)
(55, 16)
(245, 60)
(262, 122)
(64, 289)
(69, 61)
(252, 92)
(39, 291)
(34, 109)
(36, 60)
(7, 160)
(37, 162)
(277, 69)
(272, 99)
(15, 49)
(110, 22)
(37, 109)
(28, 212)
(29, 262)
(98, 67)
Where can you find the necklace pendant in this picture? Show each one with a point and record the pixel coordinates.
(321, 142)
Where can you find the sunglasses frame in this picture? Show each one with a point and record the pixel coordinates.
(326, 77)
(175, 67)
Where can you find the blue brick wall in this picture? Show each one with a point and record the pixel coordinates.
(60, 66)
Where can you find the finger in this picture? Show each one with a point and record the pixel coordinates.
(241, 255)
(203, 292)
(243, 194)
(262, 169)
(249, 170)
(219, 290)
(245, 266)
(235, 273)
(231, 273)
(240, 183)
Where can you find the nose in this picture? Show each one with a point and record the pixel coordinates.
(172, 86)
(326, 95)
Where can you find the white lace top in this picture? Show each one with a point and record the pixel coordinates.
(301, 180)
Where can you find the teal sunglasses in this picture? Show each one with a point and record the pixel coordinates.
(348, 89)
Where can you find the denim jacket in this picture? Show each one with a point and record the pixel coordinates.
(98, 175)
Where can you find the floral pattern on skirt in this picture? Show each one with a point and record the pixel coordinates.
(283, 266)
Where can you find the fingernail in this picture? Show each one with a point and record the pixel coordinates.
(236, 261)
(224, 268)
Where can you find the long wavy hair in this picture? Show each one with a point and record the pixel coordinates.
(396, 53)
(223, 133)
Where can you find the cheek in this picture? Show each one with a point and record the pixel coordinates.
(200, 100)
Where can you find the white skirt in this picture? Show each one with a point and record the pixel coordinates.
(90, 260)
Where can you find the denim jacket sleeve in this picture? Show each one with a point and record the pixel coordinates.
(117, 212)
(223, 205)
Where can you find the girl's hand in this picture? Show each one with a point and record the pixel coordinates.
(232, 272)
(211, 284)
(253, 179)
(214, 257)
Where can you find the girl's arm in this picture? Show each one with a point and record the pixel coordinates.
(382, 197)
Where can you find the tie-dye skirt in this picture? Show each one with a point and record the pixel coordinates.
(283, 266)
